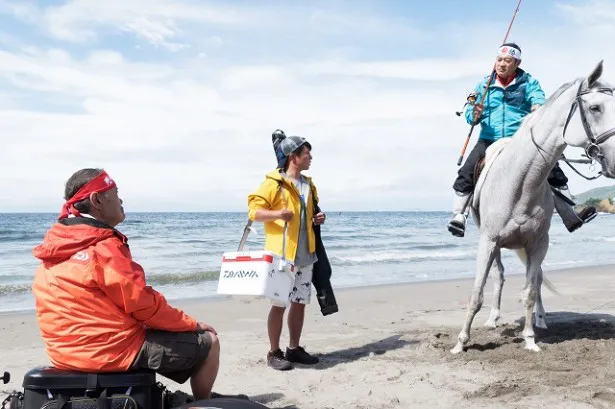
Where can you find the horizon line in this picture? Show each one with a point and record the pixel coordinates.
(238, 211)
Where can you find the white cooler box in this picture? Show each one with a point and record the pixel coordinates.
(260, 273)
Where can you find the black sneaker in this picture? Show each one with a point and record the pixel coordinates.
(588, 214)
(299, 356)
(277, 361)
(585, 216)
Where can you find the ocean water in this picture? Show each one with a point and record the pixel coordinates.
(181, 252)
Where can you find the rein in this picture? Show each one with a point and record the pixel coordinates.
(579, 173)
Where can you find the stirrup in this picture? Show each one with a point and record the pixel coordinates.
(456, 228)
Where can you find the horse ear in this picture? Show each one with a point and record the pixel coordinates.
(596, 73)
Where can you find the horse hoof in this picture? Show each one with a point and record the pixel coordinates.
(530, 345)
(491, 324)
(457, 349)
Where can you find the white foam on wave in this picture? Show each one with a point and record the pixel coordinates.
(404, 256)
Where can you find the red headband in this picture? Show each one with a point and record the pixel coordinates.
(99, 184)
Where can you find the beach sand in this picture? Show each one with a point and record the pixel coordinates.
(388, 347)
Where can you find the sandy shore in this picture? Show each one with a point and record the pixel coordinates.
(388, 347)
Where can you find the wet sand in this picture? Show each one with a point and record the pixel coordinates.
(388, 347)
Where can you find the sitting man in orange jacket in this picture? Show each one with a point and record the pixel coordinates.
(94, 309)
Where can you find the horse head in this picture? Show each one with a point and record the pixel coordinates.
(596, 106)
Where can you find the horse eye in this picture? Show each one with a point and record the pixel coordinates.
(595, 108)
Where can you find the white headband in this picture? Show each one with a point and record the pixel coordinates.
(508, 50)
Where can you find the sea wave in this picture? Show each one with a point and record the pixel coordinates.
(401, 256)
(22, 287)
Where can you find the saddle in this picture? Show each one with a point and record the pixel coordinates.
(478, 168)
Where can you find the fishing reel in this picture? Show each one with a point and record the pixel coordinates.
(470, 100)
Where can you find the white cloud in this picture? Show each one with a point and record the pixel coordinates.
(362, 23)
(22, 9)
(590, 13)
(193, 133)
(420, 70)
(154, 20)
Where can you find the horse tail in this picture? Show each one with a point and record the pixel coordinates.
(523, 256)
(549, 284)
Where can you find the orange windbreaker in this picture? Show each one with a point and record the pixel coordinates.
(92, 302)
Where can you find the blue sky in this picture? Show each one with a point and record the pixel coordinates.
(177, 99)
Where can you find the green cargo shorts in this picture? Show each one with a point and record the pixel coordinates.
(174, 355)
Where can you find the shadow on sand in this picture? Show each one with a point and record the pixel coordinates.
(343, 356)
(267, 399)
(568, 326)
(562, 326)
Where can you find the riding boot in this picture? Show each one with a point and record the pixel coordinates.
(572, 219)
(457, 224)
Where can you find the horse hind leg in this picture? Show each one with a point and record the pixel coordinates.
(539, 311)
(530, 292)
(484, 260)
(498, 283)
(539, 308)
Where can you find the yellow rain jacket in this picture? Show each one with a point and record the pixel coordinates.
(277, 193)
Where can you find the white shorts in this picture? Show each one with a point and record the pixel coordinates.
(302, 288)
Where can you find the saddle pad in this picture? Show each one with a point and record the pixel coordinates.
(493, 151)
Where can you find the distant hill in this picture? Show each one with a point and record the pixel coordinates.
(604, 192)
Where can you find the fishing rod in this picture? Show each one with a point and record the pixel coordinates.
(482, 100)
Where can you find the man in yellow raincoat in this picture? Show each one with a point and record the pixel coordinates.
(285, 203)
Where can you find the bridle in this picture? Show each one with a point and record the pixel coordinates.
(593, 150)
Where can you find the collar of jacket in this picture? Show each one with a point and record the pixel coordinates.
(89, 221)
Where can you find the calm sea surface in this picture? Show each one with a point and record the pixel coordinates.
(181, 252)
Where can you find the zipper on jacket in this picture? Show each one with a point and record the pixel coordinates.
(503, 112)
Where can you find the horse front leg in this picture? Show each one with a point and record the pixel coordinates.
(486, 255)
(498, 283)
(536, 256)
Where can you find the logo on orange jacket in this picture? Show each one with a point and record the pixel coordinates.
(81, 256)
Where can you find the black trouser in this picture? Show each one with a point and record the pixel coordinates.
(465, 179)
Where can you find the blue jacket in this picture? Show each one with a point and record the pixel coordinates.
(506, 108)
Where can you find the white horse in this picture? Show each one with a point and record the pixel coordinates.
(513, 203)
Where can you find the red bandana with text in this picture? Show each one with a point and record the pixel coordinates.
(99, 184)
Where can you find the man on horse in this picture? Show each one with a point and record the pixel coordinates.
(511, 96)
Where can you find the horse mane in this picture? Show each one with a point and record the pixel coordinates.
(533, 117)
